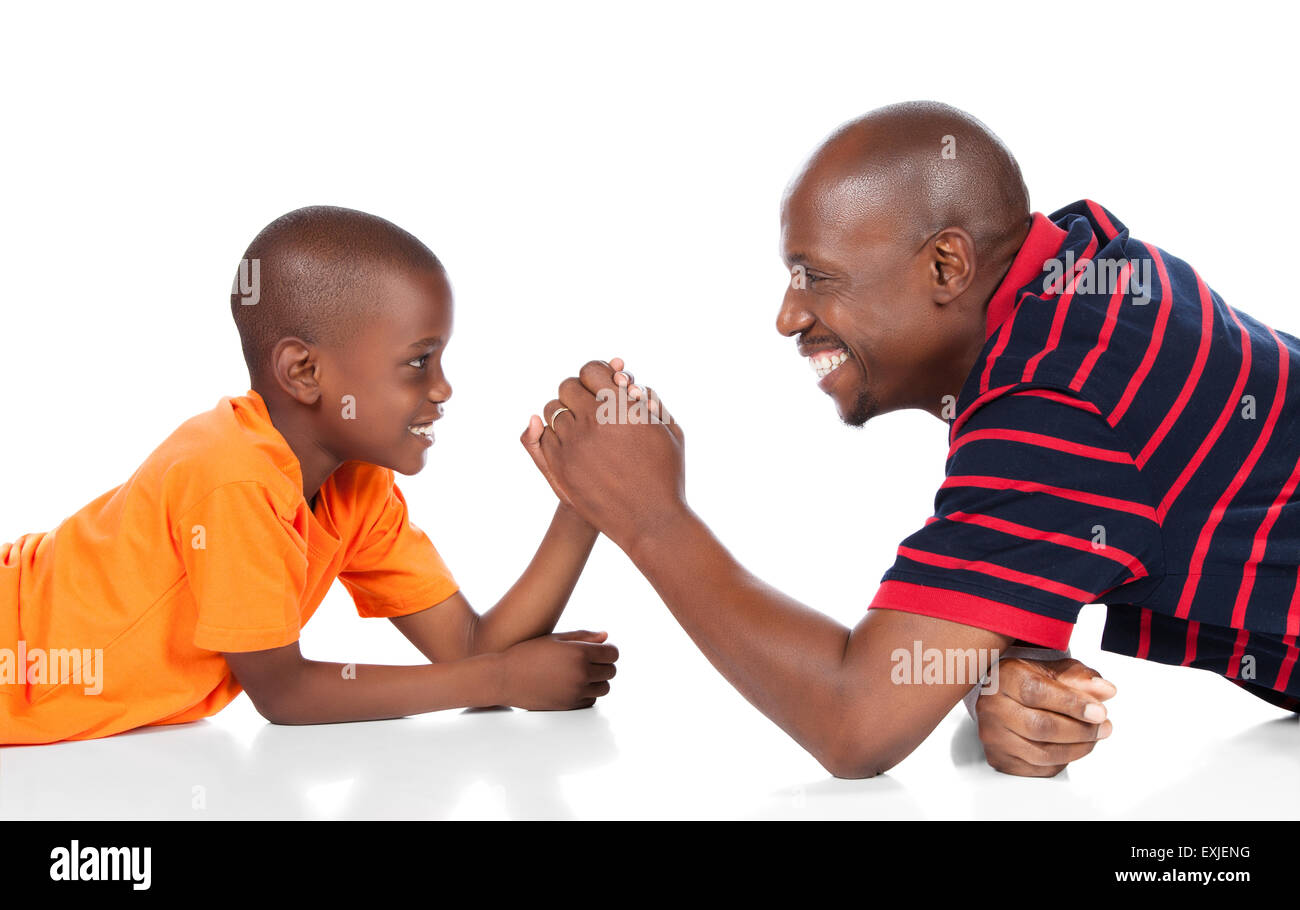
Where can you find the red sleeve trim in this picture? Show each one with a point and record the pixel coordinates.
(970, 610)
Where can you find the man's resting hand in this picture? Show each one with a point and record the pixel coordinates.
(1044, 715)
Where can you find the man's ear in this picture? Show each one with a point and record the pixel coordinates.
(297, 369)
(952, 263)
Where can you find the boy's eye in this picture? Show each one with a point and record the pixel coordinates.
(418, 362)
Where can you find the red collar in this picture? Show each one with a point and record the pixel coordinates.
(1042, 243)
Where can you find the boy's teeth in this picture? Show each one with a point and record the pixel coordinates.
(827, 362)
(426, 430)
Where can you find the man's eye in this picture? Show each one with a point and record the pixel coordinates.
(813, 279)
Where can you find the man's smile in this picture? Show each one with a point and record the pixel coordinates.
(824, 363)
(825, 356)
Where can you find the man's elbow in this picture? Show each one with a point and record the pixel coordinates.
(855, 758)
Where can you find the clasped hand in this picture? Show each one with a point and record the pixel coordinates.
(611, 452)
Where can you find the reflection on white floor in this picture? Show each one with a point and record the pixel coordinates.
(642, 757)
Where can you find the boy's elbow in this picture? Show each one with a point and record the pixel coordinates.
(273, 710)
(270, 679)
(275, 704)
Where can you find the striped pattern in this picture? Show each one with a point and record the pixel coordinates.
(1125, 438)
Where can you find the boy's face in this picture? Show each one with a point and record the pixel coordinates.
(389, 379)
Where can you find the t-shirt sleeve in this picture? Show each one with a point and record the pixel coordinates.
(1042, 511)
(396, 569)
(246, 566)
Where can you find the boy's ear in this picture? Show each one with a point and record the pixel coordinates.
(297, 369)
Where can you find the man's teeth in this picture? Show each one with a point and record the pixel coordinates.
(826, 362)
(426, 430)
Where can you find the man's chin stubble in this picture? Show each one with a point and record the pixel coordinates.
(865, 406)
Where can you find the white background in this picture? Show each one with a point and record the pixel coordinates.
(598, 181)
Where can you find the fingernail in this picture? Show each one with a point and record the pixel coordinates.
(1106, 729)
(1094, 714)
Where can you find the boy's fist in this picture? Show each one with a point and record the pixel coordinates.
(557, 672)
(532, 435)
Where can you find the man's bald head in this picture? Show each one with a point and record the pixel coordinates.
(921, 166)
(317, 271)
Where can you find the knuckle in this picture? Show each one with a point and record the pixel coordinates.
(1032, 689)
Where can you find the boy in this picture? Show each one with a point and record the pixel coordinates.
(161, 600)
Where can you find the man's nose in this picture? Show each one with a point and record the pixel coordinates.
(793, 317)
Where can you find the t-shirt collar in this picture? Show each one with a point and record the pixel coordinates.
(278, 448)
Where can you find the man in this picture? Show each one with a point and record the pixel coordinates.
(1118, 434)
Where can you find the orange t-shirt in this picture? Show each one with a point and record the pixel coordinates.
(115, 619)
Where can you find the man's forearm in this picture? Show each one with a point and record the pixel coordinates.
(533, 605)
(322, 692)
(784, 657)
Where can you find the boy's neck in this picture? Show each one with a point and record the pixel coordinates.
(314, 464)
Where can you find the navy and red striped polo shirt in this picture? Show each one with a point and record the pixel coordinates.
(1125, 438)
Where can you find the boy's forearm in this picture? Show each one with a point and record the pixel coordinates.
(533, 605)
(323, 693)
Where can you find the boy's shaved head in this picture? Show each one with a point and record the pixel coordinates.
(317, 270)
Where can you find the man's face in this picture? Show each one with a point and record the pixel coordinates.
(390, 379)
(856, 300)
